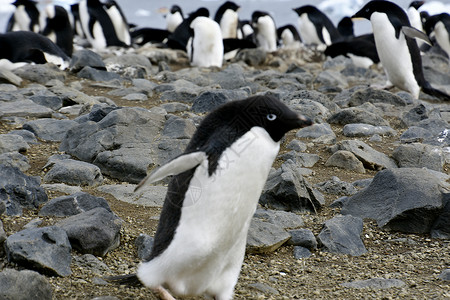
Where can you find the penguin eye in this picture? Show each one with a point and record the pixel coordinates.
(271, 117)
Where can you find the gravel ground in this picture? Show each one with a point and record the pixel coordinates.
(417, 260)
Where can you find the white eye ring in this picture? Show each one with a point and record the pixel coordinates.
(271, 117)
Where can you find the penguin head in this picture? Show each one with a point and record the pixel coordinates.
(416, 4)
(176, 9)
(230, 5)
(305, 9)
(258, 14)
(378, 6)
(259, 111)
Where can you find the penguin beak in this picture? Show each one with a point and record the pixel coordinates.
(303, 121)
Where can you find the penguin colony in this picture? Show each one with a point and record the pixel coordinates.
(197, 251)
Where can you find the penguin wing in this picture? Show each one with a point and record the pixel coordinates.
(176, 166)
(415, 34)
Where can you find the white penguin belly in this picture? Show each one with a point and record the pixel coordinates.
(267, 34)
(394, 54)
(207, 43)
(228, 24)
(442, 37)
(308, 31)
(208, 247)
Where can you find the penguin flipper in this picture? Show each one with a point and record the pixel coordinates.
(129, 279)
(428, 89)
(415, 34)
(176, 166)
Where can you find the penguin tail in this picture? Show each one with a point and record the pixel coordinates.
(129, 279)
(428, 89)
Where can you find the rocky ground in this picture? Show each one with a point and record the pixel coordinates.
(416, 261)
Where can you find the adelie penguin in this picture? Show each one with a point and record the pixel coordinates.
(265, 31)
(438, 26)
(58, 28)
(315, 27)
(288, 36)
(119, 21)
(25, 17)
(200, 242)
(228, 19)
(174, 18)
(397, 48)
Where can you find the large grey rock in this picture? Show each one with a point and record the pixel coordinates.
(315, 131)
(28, 136)
(360, 130)
(445, 275)
(45, 249)
(24, 108)
(74, 172)
(286, 189)
(405, 199)
(374, 283)
(129, 65)
(342, 235)
(209, 100)
(40, 73)
(307, 160)
(152, 196)
(97, 75)
(314, 110)
(49, 129)
(24, 285)
(64, 206)
(53, 102)
(335, 186)
(86, 58)
(373, 95)
(303, 237)
(18, 190)
(282, 219)
(418, 155)
(144, 244)
(91, 263)
(15, 159)
(12, 143)
(441, 227)
(371, 159)
(265, 237)
(415, 115)
(346, 160)
(301, 252)
(96, 231)
(356, 115)
(179, 128)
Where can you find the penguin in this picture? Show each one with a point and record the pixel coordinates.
(315, 27)
(345, 28)
(397, 48)
(180, 37)
(265, 31)
(75, 20)
(289, 37)
(58, 28)
(119, 21)
(200, 242)
(228, 19)
(97, 25)
(438, 26)
(25, 17)
(205, 47)
(174, 18)
(245, 29)
(142, 36)
(414, 17)
(31, 47)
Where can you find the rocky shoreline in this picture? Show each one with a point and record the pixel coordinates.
(356, 206)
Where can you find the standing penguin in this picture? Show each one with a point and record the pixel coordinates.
(315, 27)
(25, 17)
(58, 28)
(265, 31)
(228, 19)
(397, 48)
(439, 27)
(200, 242)
(174, 18)
(119, 21)
(289, 37)
(205, 47)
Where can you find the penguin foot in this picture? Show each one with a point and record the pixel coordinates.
(163, 293)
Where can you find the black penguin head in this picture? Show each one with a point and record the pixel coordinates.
(24, 3)
(380, 6)
(345, 27)
(306, 9)
(175, 8)
(258, 14)
(416, 4)
(230, 5)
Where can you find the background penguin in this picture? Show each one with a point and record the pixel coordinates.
(180, 37)
(265, 33)
(345, 28)
(174, 18)
(58, 28)
(414, 17)
(438, 26)
(25, 16)
(97, 25)
(289, 37)
(31, 47)
(142, 36)
(228, 19)
(315, 27)
(398, 52)
(205, 47)
(200, 242)
(75, 20)
(119, 21)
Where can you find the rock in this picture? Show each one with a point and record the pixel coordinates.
(342, 235)
(74, 172)
(91, 263)
(136, 97)
(12, 143)
(356, 115)
(97, 75)
(2, 232)
(28, 136)
(129, 65)
(144, 245)
(297, 145)
(24, 108)
(445, 275)
(152, 196)
(373, 95)
(361, 130)
(301, 252)
(374, 283)
(345, 160)
(41, 73)
(286, 189)
(264, 237)
(370, 158)
(86, 58)
(282, 219)
(49, 129)
(315, 131)
(18, 190)
(96, 231)
(331, 78)
(45, 249)
(406, 199)
(15, 159)
(301, 159)
(73, 204)
(316, 111)
(24, 285)
(441, 227)
(209, 100)
(418, 155)
(174, 107)
(9, 77)
(303, 237)
(52, 102)
(179, 128)
(264, 288)
(335, 186)
(61, 188)
(415, 115)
